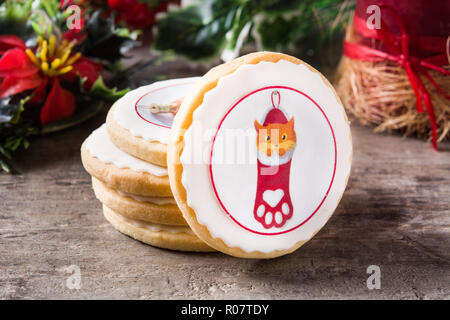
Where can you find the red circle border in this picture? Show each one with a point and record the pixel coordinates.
(332, 178)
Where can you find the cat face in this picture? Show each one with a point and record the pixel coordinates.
(276, 137)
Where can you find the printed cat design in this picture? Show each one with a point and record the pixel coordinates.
(276, 137)
(276, 142)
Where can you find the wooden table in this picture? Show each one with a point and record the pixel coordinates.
(395, 214)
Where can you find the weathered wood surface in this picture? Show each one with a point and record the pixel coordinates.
(394, 214)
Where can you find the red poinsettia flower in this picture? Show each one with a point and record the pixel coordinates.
(75, 31)
(137, 15)
(59, 104)
(65, 3)
(17, 73)
(122, 5)
(74, 35)
(86, 68)
(43, 69)
(10, 41)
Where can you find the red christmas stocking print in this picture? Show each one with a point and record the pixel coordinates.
(276, 143)
(273, 206)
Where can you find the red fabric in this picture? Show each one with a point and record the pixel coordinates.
(429, 18)
(59, 104)
(396, 40)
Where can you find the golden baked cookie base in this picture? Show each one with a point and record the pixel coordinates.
(124, 179)
(138, 210)
(162, 239)
(150, 151)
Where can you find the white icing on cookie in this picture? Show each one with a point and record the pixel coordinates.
(313, 159)
(132, 113)
(153, 226)
(155, 200)
(100, 146)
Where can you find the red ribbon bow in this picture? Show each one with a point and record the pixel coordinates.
(399, 52)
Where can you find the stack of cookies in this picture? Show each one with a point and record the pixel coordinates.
(126, 158)
(259, 156)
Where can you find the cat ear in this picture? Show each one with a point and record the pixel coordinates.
(257, 125)
(291, 122)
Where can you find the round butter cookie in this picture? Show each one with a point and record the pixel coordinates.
(179, 238)
(259, 155)
(121, 171)
(136, 130)
(161, 210)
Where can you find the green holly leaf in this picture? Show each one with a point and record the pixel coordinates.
(29, 18)
(104, 40)
(276, 33)
(13, 128)
(282, 6)
(155, 3)
(310, 25)
(5, 167)
(197, 31)
(7, 109)
(51, 7)
(240, 29)
(202, 30)
(100, 91)
(11, 109)
(12, 143)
